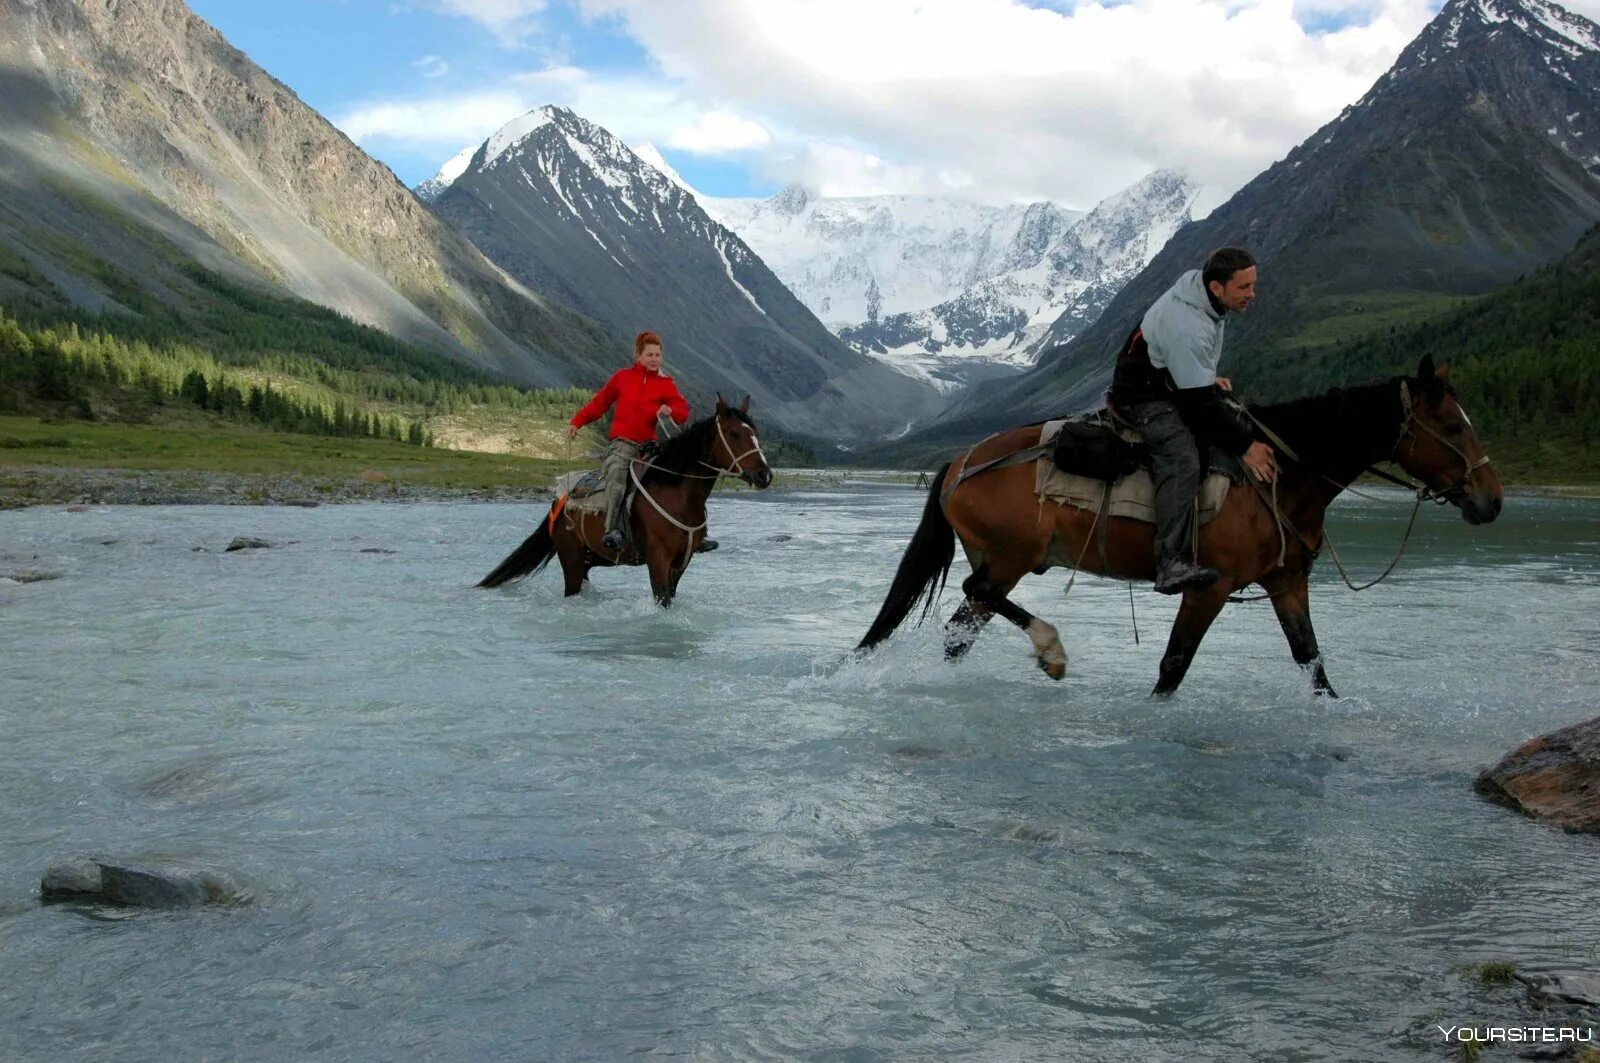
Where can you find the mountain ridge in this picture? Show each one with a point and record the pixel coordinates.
(569, 209)
(139, 109)
(1449, 177)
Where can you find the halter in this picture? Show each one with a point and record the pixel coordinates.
(731, 470)
(733, 464)
(1425, 493)
(1453, 494)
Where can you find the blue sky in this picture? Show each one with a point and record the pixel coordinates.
(999, 100)
(338, 54)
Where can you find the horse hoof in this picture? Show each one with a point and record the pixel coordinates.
(1056, 670)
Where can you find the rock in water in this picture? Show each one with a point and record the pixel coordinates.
(1580, 989)
(244, 542)
(126, 886)
(1555, 778)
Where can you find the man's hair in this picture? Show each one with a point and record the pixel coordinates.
(643, 340)
(1223, 263)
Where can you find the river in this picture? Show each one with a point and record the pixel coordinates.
(501, 825)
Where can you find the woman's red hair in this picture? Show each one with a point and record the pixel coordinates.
(643, 340)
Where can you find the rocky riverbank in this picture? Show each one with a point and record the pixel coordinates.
(43, 485)
(47, 485)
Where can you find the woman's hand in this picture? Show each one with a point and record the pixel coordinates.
(572, 431)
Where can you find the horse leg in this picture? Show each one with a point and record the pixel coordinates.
(677, 573)
(990, 590)
(571, 554)
(1292, 602)
(1194, 619)
(961, 631)
(658, 560)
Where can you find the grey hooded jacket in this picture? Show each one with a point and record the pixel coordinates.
(1184, 333)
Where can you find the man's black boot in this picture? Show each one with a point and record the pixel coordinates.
(1175, 575)
(705, 546)
(612, 540)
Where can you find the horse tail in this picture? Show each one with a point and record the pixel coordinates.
(534, 553)
(922, 570)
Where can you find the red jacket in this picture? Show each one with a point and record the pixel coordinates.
(638, 393)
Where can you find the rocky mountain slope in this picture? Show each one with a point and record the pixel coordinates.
(1476, 158)
(568, 209)
(138, 147)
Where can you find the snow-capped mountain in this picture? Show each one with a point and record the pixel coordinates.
(434, 187)
(1055, 286)
(863, 258)
(1473, 160)
(571, 211)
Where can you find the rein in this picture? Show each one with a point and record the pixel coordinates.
(1423, 494)
(732, 469)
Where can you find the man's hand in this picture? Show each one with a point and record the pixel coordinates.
(572, 431)
(1259, 460)
(1224, 383)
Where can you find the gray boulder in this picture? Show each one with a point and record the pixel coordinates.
(126, 886)
(1563, 988)
(244, 542)
(1554, 778)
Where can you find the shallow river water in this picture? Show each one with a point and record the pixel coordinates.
(500, 825)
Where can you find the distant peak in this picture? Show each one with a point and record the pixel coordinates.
(519, 129)
(1545, 21)
(791, 200)
(434, 186)
(652, 156)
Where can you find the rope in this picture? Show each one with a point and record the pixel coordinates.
(668, 517)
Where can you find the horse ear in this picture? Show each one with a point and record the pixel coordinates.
(722, 407)
(1425, 370)
(744, 407)
(1442, 374)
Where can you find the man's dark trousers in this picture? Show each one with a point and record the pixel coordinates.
(1175, 465)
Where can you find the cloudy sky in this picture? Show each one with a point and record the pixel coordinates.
(998, 100)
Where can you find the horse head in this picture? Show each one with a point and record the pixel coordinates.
(737, 450)
(1439, 446)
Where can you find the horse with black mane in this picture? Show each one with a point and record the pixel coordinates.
(1256, 538)
(667, 515)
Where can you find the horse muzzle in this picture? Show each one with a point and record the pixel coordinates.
(760, 479)
(1479, 506)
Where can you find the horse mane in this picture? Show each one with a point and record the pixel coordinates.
(679, 456)
(1341, 430)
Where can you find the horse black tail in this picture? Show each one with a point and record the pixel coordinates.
(535, 553)
(922, 570)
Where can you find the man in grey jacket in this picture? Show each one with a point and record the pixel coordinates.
(1166, 382)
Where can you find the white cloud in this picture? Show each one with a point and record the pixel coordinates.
(634, 107)
(431, 66)
(444, 122)
(510, 19)
(1021, 101)
(719, 133)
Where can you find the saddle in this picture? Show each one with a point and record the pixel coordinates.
(583, 490)
(1099, 460)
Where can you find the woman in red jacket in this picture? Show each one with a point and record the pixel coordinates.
(642, 393)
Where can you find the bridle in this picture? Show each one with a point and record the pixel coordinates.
(1454, 494)
(733, 468)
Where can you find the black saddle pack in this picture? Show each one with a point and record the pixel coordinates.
(1095, 449)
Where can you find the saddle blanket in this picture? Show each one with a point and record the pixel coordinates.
(1132, 496)
(582, 491)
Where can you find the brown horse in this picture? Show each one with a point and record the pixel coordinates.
(1007, 532)
(668, 515)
